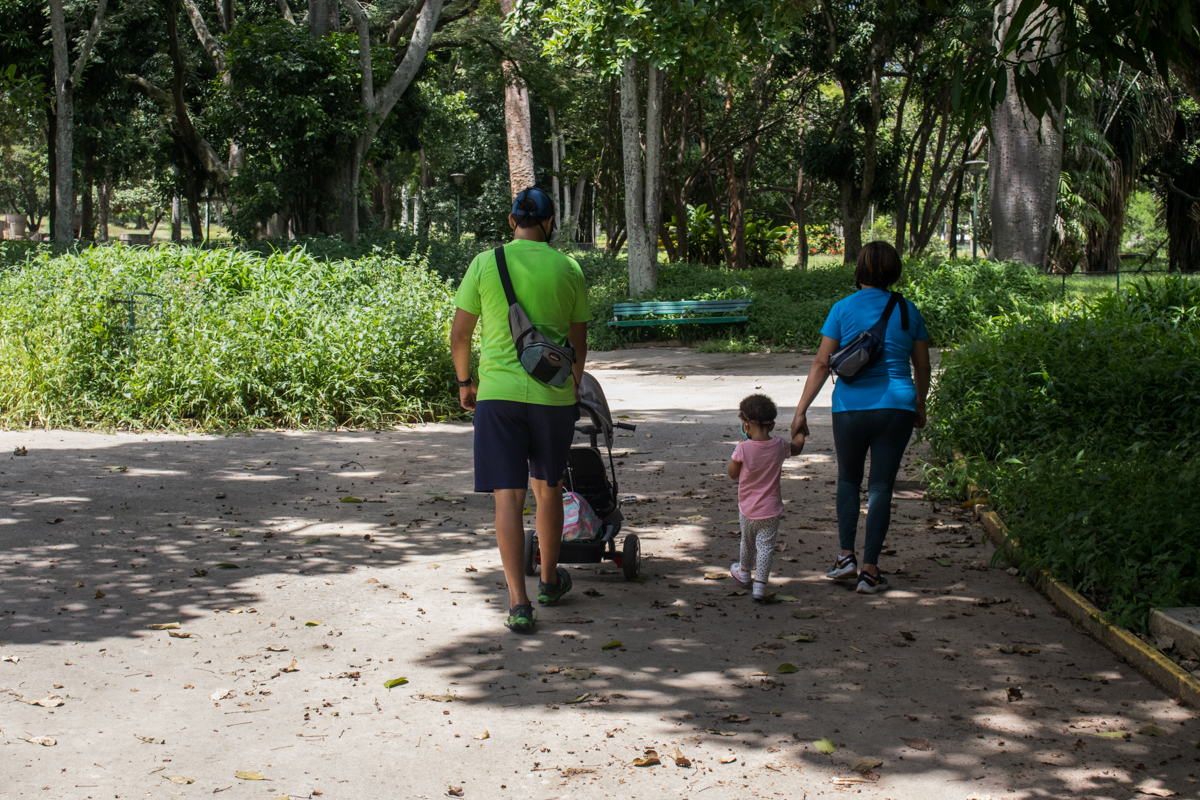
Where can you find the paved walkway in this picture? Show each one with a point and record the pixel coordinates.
(962, 682)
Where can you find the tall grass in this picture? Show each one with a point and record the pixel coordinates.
(232, 339)
(1083, 422)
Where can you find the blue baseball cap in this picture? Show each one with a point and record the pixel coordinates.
(545, 206)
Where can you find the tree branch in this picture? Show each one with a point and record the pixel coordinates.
(92, 35)
(401, 26)
(418, 46)
(207, 40)
(153, 92)
(364, 52)
(1171, 185)
(286, 11)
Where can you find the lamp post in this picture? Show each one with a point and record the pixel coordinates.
(974, 167)
(459, 179)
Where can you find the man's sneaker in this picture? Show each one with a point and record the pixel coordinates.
(760, 592)
(550, 595)
(739, 573)
(844, 567)
(870, 584)
(521, 618)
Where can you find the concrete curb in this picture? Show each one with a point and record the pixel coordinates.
(1152, 664)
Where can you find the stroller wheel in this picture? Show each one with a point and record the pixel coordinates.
(530, 553)
(631, 557)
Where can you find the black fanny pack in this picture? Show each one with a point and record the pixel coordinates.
(546, 360)
(865, 350)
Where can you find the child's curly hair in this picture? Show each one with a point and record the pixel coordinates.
(759, 409)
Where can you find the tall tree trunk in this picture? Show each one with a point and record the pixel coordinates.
(322, 17)
(51, 167)
(404, 223)
(87, 222)
(517, 124)
(104, 198)
(1104, 241)
(737, 215)
(1025, 162)
(577, 206)
(176, 217)
(958, 188)
(65, 78)
(554, 165)
(643, 177)
(800, 213)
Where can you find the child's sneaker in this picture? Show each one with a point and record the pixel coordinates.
(550, 595)
(521, 619)
(760, 593)
(739, 573)
(844, 567)
(870, 584)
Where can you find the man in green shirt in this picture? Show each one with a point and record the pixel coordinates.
(523, 427)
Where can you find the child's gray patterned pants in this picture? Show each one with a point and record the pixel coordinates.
(758, 545)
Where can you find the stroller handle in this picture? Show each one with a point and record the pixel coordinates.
(625, 426)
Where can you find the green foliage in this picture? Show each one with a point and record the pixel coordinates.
(1082, 420)
(238, 340)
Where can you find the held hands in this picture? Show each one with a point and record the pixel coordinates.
(800, 426)
(466, 396)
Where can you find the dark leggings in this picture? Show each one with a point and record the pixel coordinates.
(885, 433)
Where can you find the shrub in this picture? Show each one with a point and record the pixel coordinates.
(230, 339)
(1083, 423)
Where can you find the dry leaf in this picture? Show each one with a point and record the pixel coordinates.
(180, 635)
(648, 759)
(824, 745)
(680, 759)
(249, 775)
(1154, 791)
(718, 732)
(44, 741)
(739, 718)
(182, 781)
(291, 667)
(438, 698)
(454, 791)
(578, 674)
(164, 626)
(715, 576)
(487, 667)
(908, 635)
(726, 759)
(12, 658)
(866, 764)
(50, 701)
(787, 669)
(220, 694)
(1014, 694)
(917, 743)
(99, 595)
(78, 585)
(275, 648)
(482, 736)
(1150, 729)
(579, 699)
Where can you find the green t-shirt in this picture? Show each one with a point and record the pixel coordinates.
(551, 289)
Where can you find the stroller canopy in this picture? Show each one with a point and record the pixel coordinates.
(595, 406)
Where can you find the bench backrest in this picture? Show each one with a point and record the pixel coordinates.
(680, 307)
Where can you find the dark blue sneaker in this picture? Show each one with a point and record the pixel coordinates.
(521, 618)
(550, 595)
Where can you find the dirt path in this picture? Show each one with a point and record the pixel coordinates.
(962, 681)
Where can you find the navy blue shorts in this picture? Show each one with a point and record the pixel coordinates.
(514, 441)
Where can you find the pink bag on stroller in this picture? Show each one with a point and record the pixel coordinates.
(579, 521)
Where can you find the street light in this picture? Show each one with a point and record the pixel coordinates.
(459, 179)
(974, 167)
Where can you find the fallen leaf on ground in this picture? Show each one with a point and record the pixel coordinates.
(715, 576)
(866, 764)
(908, 635)
(679, 758)
(164, 626)
(1113, 734)
(796, 637)
(482, 736)
(786, 668)
(1006, 648)
(857, 650)
(150, 739)
(249, 775)
(1014, 694)
(182, 781)
(783, 598)
(1095, 677)
(1022, 650)
(291, 667)
(917, 743)
(454, 791)
(719, 732)
(1154, 791)
(78, 585)
(579, 699)
(648, 759)
(220, 694)
(945, 562)
(312, 623)
(438, 698)
(44, 741)
(487, 667)
(50, 701)
(13, 659)
(824, 745)
(277, 649)
(726, 759)
(611, 645)
(117, 469)
(471, 569)
(394, 682)
(180, 635)
(578, 674)
(739, 718)
(351, 500)
(1150, 729)
(99, 595)
(737, 593)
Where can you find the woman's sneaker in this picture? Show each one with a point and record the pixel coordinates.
(760, 593)
(844, 567)
(521, 618)
(550, 595)
(870, 584)
(739, 573)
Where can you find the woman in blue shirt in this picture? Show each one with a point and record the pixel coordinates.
(876, 413)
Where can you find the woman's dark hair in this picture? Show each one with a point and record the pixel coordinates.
(529, 218)
(759, 409)
(879, 265)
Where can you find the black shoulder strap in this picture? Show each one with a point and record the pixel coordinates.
(887, 310)
(506, 281)
(899, 298)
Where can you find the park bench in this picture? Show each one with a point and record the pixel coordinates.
(681, 312)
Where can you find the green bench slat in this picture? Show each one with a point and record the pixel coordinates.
(632, 323)
(669, 307)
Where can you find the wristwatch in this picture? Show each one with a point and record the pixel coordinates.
(463, 384)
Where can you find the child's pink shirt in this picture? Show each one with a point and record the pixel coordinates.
(758, 484)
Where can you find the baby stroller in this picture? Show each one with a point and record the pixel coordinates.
(586, 475)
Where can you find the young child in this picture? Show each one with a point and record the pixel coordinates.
(756, 465)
